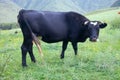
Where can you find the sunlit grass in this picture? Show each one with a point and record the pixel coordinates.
(99, 60)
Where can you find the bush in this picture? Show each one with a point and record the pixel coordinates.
(115, 24)
(8, 26)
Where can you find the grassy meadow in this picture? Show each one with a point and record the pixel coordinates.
(95, 61)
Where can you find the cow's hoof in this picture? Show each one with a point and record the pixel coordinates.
(34, 61)
(24, 65)
(75, 54)
(61, 57)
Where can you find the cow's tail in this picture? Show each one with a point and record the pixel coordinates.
(35, 39)
(37, 42)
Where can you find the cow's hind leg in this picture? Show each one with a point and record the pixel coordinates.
(30, 50)
(64, 46)
(24, 53)
(27, 47)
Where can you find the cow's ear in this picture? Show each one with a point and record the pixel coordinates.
(86, 23)
(103, 25)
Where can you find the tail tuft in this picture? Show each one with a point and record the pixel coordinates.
(37, 42)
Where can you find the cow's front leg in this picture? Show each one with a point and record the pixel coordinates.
(64, 46)
(74, 44)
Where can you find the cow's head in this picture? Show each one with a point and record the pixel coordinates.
(93, 29)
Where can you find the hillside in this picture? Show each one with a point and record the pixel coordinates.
(93, 5)
(9, 8)
(51, 5)
(65, 5)
(105, 15)
(116, 4)
(8, 11)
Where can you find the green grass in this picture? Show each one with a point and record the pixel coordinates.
(95, 61)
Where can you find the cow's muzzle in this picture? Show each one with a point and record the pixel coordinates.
(94, 39)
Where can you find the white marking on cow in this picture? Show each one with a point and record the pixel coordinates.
(94, 23)
(98, 40)
(86, 22)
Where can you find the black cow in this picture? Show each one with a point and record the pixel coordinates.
(54, 27)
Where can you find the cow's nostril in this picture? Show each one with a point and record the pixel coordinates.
(94, 38)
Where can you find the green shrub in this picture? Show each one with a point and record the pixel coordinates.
(115, 24)
(8, 26)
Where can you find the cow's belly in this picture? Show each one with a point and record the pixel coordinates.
(51, 40)
(54, 37)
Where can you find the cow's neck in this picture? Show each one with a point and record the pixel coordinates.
(83, 35)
